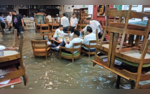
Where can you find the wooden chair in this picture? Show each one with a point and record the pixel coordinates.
(126, 28)
(137, 65)
(53, 24)
(40, 48)
(143, 7)
(72, 50)
(91, 46)
(124, 54)
(41, 23)
(17, 60)
(105, 47)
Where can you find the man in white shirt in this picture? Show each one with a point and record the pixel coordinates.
(9, 20)
(58, 18)
(90, 36)
(66, 44)
(49, 18)
(64, 22)
(94, 25)
(59, 32)
(73, 22)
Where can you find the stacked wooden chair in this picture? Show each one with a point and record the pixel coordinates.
(54, 25)
(14, 63)
(41, 23)
(136, 61)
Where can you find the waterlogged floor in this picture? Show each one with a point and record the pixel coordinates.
(55, 74)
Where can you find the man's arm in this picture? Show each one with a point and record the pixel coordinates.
(84, 30)
(70, 21)
(85, 40)
(22, 22)
(69, 45)
(76, 24)
(61, 21)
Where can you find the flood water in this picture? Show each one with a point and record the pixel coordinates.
(51, 73)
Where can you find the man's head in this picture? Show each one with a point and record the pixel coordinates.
(76, 33)
(87, 20)
(89, 30)
(63, 14)
(56, 15)
(14, 12)
(73, 15)
(10, 13)
(61, 27)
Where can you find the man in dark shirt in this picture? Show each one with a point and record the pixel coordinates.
(17, 22)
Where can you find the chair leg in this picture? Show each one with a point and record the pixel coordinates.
(25, 78)
(72, 60)
(136, 85)
(94, 64)
(89, 55)
(46, 56)
(59, 57)
(132, 84)
(118, 82)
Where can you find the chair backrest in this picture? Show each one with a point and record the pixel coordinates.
(91, 44)
(143, 7)
(39, 44)
(78, 48)
(39, 19)
(128, 14)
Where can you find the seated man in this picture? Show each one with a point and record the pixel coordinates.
(90, 36)
(58, 33)
(94, 25)
(68, 44)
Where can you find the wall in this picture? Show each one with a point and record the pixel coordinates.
(80, 6)
(68, 8)
(17, 7)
